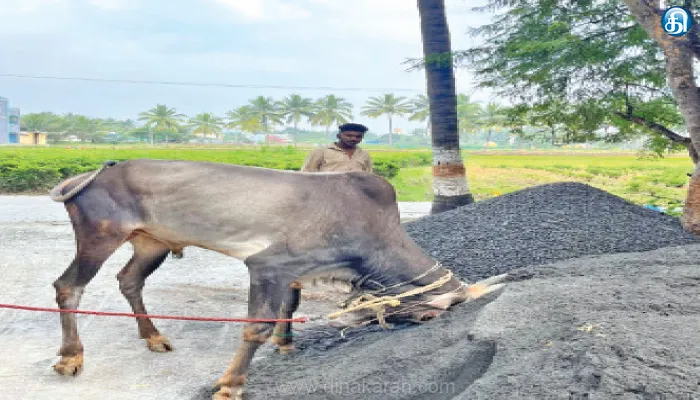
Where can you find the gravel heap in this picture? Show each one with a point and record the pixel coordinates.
(594, 325)
(540, 225)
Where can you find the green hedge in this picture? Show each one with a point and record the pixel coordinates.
(39, 169)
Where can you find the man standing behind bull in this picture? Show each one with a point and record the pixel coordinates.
(343, 155)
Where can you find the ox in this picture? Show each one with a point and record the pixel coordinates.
(291, 229)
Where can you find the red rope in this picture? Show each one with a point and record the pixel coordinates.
(116, 314)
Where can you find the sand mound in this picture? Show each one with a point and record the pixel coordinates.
(618, 326)
(596, 327)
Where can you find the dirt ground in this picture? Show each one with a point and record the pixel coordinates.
(36, 246)
(610, 326)
(622, 326)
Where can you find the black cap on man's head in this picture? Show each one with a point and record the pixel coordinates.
(350, 127)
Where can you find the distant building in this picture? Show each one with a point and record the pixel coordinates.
(31, 138)
(9, 122)
(13, 120)
(4, 121)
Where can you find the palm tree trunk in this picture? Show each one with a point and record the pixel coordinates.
(150, 135)
(296, 132)
(488, 139)
(391, 132)
(266, 129)
(427, 128)
(450, 186)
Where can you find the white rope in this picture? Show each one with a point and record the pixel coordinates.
(423, 275)
(378, 304)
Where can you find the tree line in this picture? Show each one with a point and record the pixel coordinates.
(264, 114)
(588, 68)
(582, 67)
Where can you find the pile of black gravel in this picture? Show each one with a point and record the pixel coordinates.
(529, 344)
(540, 225)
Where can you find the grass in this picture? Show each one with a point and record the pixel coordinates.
(660, 182)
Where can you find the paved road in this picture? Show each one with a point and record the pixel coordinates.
(36, 246)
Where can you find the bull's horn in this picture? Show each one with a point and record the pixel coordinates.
(469, 292)
(493, 280)
(484, 287)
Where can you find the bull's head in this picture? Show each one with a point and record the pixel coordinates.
(418, 308)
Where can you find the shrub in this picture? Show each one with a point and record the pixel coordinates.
(386, 168)
(32, 169)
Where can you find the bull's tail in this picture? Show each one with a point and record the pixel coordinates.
(56, 193)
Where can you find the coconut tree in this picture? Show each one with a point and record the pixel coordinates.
(295, 107)
(388, 105)
(449, 175)
(491, 117)
(468, 114)
(205, 124)
(331, 110)
(420, 111)
(244, 119)
(161, 119)
(266, 111)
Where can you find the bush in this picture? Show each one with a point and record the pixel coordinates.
(39, 169)
(386, 168)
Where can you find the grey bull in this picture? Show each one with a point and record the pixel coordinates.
(291, 229)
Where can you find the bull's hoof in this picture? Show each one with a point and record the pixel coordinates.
(425, 316)
(69, 365)
(159, 344)
(287, 349)
(228, 393)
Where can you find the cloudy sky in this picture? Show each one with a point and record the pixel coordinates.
(328, 43)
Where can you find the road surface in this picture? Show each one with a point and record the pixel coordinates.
(36, 246)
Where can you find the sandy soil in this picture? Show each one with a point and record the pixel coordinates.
(36, 246)
(622, 326)
(614, 325)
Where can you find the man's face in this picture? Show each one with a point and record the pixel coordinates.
(350, 138)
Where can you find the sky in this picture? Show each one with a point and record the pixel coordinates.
(357, 44)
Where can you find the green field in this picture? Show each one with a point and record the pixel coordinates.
(655, 181)
(662, 182)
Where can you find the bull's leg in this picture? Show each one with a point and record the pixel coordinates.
(282, 335)
(149, 254)
(92, 252)
(267, 290)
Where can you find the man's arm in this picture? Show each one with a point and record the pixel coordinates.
(369, 164)
(313, 161)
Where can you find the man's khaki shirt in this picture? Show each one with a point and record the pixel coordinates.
(333, 158)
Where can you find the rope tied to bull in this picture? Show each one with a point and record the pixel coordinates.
(379, 304)
(394, 286)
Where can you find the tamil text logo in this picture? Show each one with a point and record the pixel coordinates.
(676, 21)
